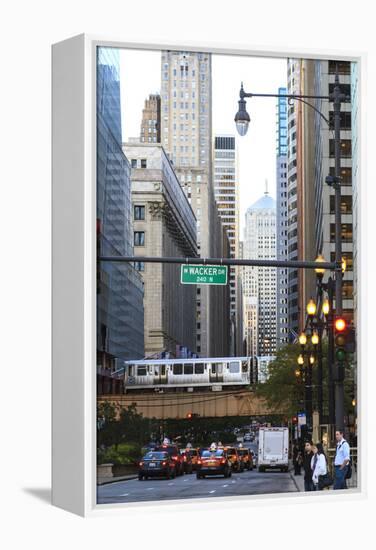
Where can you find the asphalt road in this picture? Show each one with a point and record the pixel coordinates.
(188, 486)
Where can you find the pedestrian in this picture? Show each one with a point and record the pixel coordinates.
(341, 461)
(307, 459)
(318, 465)
(296, 458)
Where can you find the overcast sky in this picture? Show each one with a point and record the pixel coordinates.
(140, 75)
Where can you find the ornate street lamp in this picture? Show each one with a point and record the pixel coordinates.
(300, 360)
(242, 118)
(311, 308)
(326, 307)
(315, 338)
(320, 270)
(303, 339)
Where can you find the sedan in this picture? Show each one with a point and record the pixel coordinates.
(156, 463)
(214, 462)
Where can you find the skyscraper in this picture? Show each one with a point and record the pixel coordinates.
(120, 322)
(260, 283)
(324, 75)
(151, 120)
(226, 190)
(282, 220)
(186, 120)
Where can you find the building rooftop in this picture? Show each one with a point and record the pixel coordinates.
(266, 202)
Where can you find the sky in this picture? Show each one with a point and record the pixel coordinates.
(140, 75)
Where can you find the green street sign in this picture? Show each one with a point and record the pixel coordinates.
(192, 274)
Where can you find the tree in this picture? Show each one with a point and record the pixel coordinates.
(282, 390)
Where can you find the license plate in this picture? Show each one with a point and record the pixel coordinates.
(212, 464)
(152, 465)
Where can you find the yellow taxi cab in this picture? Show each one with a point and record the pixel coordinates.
(237, 465)
(195, 455)
(246, 457)
(213, 461)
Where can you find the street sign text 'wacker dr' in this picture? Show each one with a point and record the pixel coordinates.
(203, 274)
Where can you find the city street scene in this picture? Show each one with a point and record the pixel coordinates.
(226, 275)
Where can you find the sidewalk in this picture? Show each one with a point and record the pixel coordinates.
(299, 481)
(106, 480)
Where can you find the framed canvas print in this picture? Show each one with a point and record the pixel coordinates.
(206, 274)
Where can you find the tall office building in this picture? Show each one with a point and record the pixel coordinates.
(324, 75)
(282, 220)
(164, 225)
(226, 190)
(186, 120)
(260, 283)
(300, 193)
(151, 120)
(120, 320)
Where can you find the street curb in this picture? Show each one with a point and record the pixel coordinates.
(115, 480)
(295, 483)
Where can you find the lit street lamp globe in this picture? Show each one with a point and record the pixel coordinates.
(311, 307)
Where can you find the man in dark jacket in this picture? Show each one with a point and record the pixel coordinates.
(308, 454)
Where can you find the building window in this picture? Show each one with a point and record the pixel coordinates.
(346, 232)
(345, 119)
(345, 173)
(139, 238)
(134, 163)
(143, 163)
(345, 148)
(343, 67)
(139, 212)
(139, 266)
(346, 204)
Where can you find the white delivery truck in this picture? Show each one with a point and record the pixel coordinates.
(273, 449)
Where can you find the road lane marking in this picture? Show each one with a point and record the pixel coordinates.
(150, 488)
(124, 495)
(170, 483)
(224, 485)
(210, 492)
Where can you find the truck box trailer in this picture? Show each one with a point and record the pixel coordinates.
(273, 449)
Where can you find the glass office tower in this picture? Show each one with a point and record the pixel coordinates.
(120, 318)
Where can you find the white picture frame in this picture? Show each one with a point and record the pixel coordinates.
(74, 271)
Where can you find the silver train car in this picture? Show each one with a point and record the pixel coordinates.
(180, 373)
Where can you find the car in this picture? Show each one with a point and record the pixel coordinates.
(247, 458)
(156, 463)
(174, 453)
(237, 464)
(187, 462)
(247, 437)
(213, 462)
(195, 455)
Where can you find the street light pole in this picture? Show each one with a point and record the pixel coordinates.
(242, 120)
(339, 386)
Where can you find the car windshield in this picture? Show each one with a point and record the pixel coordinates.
(155, 456)
(208, 454)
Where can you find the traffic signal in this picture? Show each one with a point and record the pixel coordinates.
(191, 415)
(340, 339)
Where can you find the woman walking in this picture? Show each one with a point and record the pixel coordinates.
(318, 465)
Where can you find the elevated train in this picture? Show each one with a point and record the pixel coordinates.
(190, 373)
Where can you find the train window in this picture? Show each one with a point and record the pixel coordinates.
(199, 368)
(141, 370)
(234, 366)
(188, 368)
(130, 370)
(163, 370)
(244, 366)
(214, 368)
(177, 369)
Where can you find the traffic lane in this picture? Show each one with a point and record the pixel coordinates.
(188, 486)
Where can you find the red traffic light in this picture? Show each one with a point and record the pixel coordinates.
(294, 419)
(340, 324)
